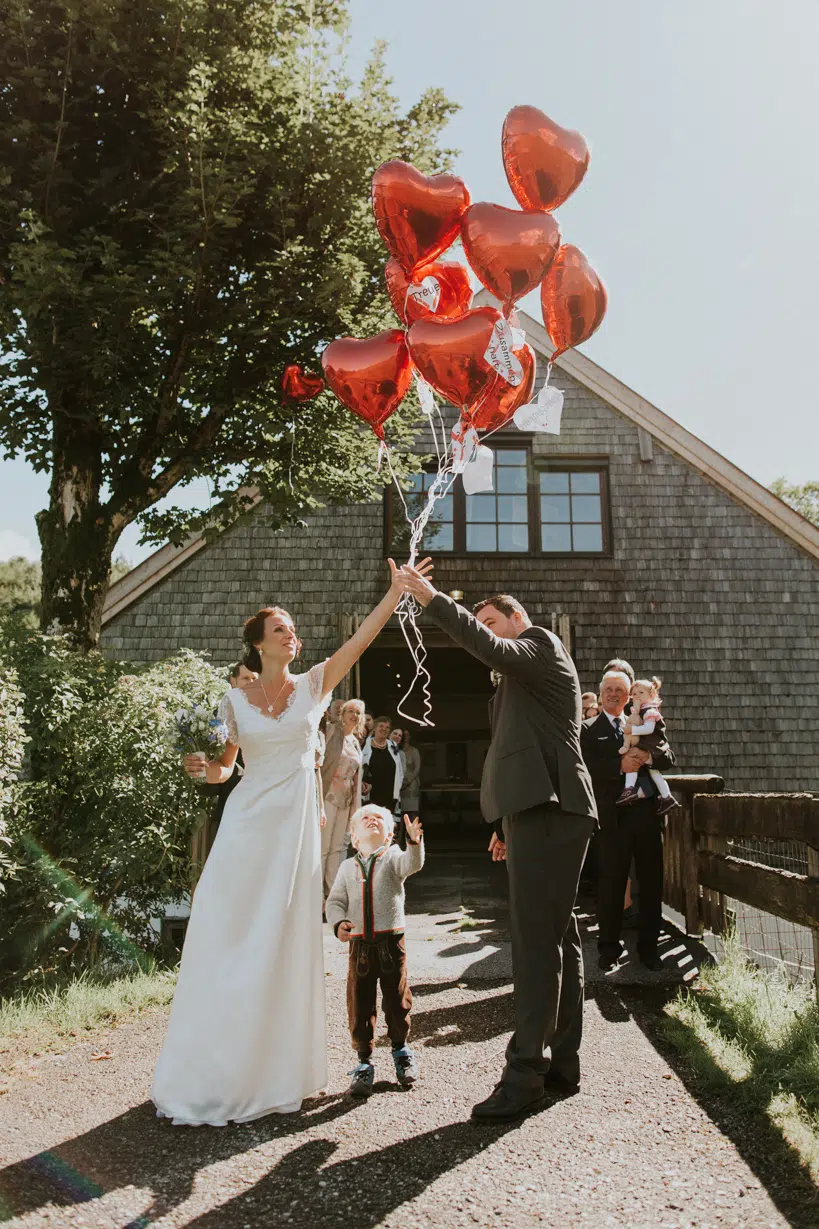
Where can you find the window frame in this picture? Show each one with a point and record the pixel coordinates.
(535, 465)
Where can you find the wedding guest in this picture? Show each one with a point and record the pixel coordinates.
(342, 793)
(369, 725)
(366, 910)
(618, 664)
(626, 833)
(239, 675)
(411, 788)
(588, 702)
(382, 759)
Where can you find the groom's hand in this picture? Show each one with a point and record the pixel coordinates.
(416, 583)
(497, 848)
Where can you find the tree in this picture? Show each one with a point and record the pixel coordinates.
(21, 580)
(804, 498)
(184, 209)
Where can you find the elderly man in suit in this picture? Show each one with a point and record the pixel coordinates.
(536, 790)
(626, 833)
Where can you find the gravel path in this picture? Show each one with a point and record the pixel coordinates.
(80, 1143)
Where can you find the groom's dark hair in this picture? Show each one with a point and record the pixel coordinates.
(503, 603)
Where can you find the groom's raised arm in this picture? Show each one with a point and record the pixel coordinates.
(513, 657)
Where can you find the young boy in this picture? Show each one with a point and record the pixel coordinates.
(366, 910)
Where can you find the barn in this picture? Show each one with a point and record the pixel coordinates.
(626, 534)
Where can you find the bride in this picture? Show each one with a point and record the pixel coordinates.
(247, 1035)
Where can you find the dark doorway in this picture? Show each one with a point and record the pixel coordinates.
(453, 750)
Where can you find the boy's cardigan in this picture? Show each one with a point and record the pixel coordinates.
(369, 892)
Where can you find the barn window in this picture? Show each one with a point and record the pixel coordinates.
(554, 509)
(572, 511)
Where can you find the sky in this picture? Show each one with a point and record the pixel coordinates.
(699, 208)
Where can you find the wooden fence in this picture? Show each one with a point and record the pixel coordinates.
(702, 868)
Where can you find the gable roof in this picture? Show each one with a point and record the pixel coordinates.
(669, 434)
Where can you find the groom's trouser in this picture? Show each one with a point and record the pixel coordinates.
(545, 849)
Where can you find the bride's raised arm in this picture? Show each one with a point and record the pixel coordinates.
(345, 658)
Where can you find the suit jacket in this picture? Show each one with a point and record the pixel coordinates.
(601, 751)
(534, 756)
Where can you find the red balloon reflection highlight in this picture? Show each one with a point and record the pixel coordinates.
(449, 354)
(573, 298)
(544, 163)
(299, 385)
(509, 250)
(369, 375)
(503, 398)
(417, 215)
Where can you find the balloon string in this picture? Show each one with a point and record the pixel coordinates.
(501, 426)
(408, 609)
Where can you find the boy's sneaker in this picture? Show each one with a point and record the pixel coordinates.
(667, 804)
(405, 1068)
(363, 1076)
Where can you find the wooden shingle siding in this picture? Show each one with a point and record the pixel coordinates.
(698, 589)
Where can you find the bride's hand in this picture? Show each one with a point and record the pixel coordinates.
(416, 581)
(401, 579)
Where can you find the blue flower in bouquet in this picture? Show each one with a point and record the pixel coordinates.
(196, 729)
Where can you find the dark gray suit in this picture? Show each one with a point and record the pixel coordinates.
(535, 780)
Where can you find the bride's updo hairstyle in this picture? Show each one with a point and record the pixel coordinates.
(253, 634)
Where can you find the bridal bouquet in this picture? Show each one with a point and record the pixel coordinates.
(199, 733)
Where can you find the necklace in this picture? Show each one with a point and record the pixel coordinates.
(271, 703)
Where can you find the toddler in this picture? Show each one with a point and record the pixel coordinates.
(366, 910)
(645, 718)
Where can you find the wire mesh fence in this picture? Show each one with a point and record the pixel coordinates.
(768, 939)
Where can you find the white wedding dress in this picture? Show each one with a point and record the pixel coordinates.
(247, 1034)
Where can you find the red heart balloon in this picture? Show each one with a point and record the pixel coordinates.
(298, 385)
(544, 163)
(573, 299)
(510, 251)
(369, 375)
(419, 298)
(417, 215)
(503, 398)
(449, 354)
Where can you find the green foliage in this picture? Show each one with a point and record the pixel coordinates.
(803, 498)
(753, 1037)
(20, 583)
(13, 738)
(184, 210)
(101, 831)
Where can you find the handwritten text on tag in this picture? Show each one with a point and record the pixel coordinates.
(499, 354)
(426, 293)
(543, 414)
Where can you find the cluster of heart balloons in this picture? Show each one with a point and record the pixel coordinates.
(471, 356)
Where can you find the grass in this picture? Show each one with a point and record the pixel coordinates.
(39, 1020)
(750, 1035)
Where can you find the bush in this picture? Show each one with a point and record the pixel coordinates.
(101, 829)
(13, 739)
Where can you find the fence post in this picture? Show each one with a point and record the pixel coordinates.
(813, 870)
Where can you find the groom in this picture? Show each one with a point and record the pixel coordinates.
(536, 790)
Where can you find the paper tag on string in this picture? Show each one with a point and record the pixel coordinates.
(543, 414)
(518, 338)
(478, 475)
(426, 397)
(499, 353)
(426, 293)
(464, 445)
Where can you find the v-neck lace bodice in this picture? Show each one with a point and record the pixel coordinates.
(276, 745)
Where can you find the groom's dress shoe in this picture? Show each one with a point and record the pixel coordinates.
(508, 1101)
(557, 1085)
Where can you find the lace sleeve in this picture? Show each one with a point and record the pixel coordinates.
(227, 715)
(315, 684)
